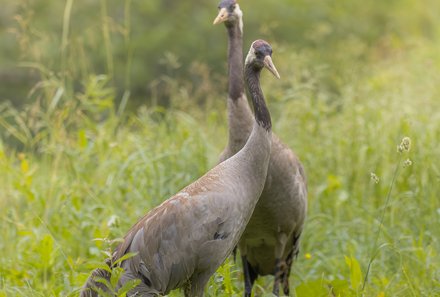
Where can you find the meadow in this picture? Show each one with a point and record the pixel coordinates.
(85, 151)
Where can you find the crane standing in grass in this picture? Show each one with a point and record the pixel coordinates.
(271, 238)
(181, 243)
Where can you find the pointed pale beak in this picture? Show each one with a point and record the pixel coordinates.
(270, 66)
(221, 17)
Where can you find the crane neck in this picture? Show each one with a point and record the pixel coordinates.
(262, 115)
(255, 154)
(235, 60)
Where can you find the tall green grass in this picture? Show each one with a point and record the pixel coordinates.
(78, 169)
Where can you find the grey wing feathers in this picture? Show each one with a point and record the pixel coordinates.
(168, 241)
(159, 243)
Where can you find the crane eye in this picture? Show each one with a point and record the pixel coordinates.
(259, 54)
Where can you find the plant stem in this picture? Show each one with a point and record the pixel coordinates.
(65, 37)
(393, 181)
(128, 48)
(107, 40)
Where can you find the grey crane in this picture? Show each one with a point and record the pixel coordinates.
(271, 238)
(181, 243)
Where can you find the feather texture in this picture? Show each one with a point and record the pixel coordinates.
(180, 243)
(271, 237)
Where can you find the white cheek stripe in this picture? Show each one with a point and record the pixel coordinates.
(239, 13)
(251, 55)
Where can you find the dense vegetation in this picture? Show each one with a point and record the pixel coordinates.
(109, 107)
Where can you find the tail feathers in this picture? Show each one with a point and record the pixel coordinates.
(93, 287)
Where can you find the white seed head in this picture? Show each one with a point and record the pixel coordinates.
(113, 221)
(407, 163)
(405, 145)
(374, 177)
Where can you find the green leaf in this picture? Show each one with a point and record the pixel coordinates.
(316, 288)
(104, 281)
(82, 139)
(129, 285)
(45, 249)
(124, 257)
(103, 266)
(355, 272)
(323, 288)
(117, 272)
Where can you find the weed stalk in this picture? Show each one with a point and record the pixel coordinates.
(403, 147)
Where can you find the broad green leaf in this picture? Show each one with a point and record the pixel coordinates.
(82, 139)
(116, 275)
(355, 272)
(316, 288)
(24, 165)
(45, 249)
(124, 257)
(103, 266)
(131, 284)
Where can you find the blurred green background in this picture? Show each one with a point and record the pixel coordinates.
(108, 107)
(138, 45)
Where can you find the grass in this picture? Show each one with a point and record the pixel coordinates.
(77, 170)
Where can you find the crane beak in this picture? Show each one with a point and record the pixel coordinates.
(270, 66)
(221, 17)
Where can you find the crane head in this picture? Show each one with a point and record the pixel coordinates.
(260, 54)
(228, 11)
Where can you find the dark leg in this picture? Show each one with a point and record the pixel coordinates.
(187, 289)
(286, 274)
(249, 277)
(234, 252)
(282, 239)
(196, 284)
(278, 275)
(286, 289)
(289, 260)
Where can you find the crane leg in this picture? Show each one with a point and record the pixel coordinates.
(196, 285)
(249, 277)
(289, 260)
(279, 263)
(278, 275)
(286, 274)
